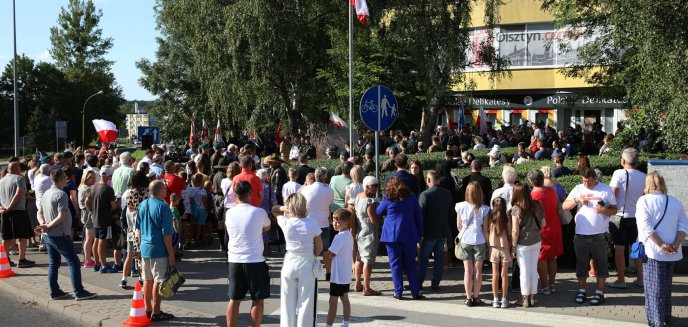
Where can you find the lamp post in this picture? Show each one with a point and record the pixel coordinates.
(82, 117)
(14, 77)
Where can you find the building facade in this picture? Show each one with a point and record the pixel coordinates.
(537, 88)
(137, 119)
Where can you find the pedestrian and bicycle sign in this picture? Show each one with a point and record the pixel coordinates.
(378, 108)
(149, 130)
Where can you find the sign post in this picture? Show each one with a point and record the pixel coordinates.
(379, 110)
(154, 132)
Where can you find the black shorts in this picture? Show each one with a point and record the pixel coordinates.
(101, 233)
(338, 289)
(253, 278)
(16, 225)
(626, 234)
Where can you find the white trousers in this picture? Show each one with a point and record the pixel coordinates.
(297, 298)
(527, 256)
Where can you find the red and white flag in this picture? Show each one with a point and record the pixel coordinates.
(218, 132)
(107, 131)
(335, 120)
(205, 132)
(482, 121)
(192, 133)
(361, 11)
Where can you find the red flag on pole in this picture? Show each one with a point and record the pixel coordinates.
(205, 132)
(278, 136)
(107, 131)
(361, 11)
(192, 133)
(218, 132)
(335, 120)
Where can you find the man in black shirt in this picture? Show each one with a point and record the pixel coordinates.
(303, 168)
(475, 175)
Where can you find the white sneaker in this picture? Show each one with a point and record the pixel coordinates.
(505, 303)
(495, 304)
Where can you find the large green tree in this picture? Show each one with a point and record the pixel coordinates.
(79, 48)
(638, 51)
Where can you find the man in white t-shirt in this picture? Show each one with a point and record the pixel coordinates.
(248, 271)
(595, 202)
(319, 197)
(628, 185)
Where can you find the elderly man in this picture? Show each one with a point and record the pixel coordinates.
(595, 202)
(628, 185)
(157, 168)
(505, 192)
(13, 214)
(319, 197)
(154, 231)
(56, 224)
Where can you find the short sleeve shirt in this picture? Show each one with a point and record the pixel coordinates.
(472, 233)
(52, 203)
(343, 248)
(338, 185)
(588, 222)
(102, 196)
(299, 233)
(256, 185)
(8, 187)
(245, 225)
(627, 197)
(154, 221)
(120, 179)
(174, 185)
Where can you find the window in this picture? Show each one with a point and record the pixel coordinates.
(515, 119)
(492, 118)
(542, 117)
(512, 44)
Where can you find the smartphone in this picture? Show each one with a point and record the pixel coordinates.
(601, 203)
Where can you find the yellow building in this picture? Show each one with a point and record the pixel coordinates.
(138, 118)
(537, 90)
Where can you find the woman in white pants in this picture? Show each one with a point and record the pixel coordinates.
(302, 236)
(527, 217)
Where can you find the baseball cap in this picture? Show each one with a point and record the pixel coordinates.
(67, 154)
(106, 170)
(370, 180)
(44, 160)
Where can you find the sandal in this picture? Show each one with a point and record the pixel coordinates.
(581, 297)
(552, 289)
(477, 301)
(160, 316)
(597, 299)
(359, 289)
(372, 293)
(468, 302)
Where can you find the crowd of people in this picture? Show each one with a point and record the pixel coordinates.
(151, 210)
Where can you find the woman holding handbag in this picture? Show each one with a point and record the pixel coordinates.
(662, 227)
(472, 221)
(527, 219)
(302, 237)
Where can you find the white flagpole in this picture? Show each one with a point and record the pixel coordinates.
(351, 75)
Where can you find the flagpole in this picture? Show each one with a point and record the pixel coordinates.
(351, 76)
(14, 77)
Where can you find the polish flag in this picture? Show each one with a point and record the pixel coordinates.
(335, 120)
(361, 11)
(107, 131)
(218, 132)
(205, 132)
(482, 121)
(192, 134)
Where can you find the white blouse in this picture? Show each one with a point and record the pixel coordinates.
(471, 233)
(649, 210)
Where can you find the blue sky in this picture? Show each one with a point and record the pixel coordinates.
(131, 24)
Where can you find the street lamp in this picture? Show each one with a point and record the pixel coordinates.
(82, 117)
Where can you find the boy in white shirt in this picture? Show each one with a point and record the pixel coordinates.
(339, 257)
(292, 186)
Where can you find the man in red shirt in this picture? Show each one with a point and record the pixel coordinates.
(249, 175)
(173, 182)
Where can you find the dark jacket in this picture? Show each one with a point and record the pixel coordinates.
(303, 171)
(485, 185)
(408, 179)
(437, 207)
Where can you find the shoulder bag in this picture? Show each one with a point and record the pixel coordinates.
(638, 248)
(457, 240)
(172, 282)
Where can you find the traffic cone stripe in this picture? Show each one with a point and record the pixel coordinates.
(137, 312)
(138, 296)
(5, 268)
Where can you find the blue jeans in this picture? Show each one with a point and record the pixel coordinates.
(436, 247)
(325, 235)
(62, 246)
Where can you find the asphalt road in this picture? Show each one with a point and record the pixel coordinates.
(14, 312)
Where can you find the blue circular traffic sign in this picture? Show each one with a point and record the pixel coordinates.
(378, 108)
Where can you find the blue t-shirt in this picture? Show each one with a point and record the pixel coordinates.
(154, 224)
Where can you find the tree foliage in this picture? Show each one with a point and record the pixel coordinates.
(639, 52)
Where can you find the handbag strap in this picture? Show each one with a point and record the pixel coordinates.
(666, 205)
(469, 223)
(623, 212)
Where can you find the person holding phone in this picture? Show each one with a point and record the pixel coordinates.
(595, 202)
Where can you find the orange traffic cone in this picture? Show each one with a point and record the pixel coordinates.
(137, 314)
(5, 269)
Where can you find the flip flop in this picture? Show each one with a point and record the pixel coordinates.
(372, 293)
